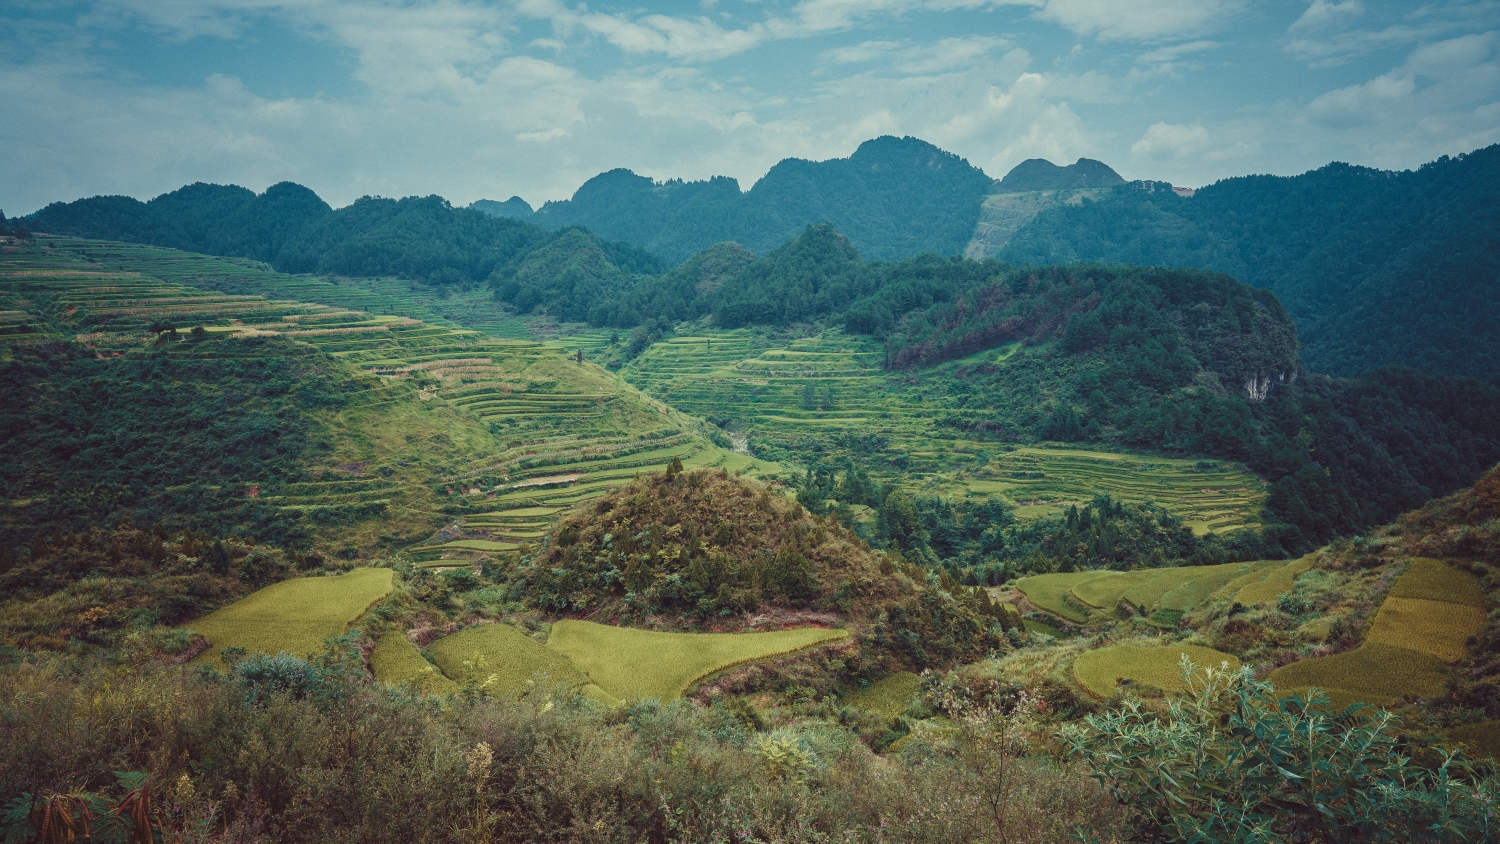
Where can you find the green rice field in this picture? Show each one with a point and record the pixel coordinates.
(631, 663)
(1408, 646)
(396, 660)
(1164, 593)
(294, 616)
(888, 695)
(543, 431)
(759, 383)
(503, 652)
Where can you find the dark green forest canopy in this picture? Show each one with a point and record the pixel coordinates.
(1377, 267)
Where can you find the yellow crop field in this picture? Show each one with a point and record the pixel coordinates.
(888, 695)
(396, 660)
(511, 656)
(294, 616)
(1373, 673)
(1434, 580)
(632, 663)
(1100, 671)
(1434, 627)
(1411, 641)
(1277, 582)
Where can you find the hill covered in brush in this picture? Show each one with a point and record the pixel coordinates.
(708, 549)
(895, 197)
(1377, 267)
(290, 228)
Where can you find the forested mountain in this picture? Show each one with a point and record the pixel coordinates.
(289, 227)
(1376, 267)
(894, 198)
(1041, 174)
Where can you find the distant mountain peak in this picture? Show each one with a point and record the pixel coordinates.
(514, 207)
(1041, 174)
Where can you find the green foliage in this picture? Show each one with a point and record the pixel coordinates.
(895, 197)
(1380, 268)
(179, 432)
(1234, 762)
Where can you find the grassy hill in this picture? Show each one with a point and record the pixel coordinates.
(377, 429)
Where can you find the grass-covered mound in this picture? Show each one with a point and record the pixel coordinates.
(706, 549)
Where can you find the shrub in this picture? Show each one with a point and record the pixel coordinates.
(1232, 762)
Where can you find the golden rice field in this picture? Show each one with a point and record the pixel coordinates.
(1100, 671)
(1265, 588)
(294, 616)
(1422, 626)
(887, 696)
(631, 663)
(396, 660)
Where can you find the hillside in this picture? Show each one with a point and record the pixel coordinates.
(1377, 267)
(419, 239)
(894, 197)
(131, 394)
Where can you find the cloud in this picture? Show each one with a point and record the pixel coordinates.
(1167, 55)
(1321, 14)
(1169, 141)
(1441, 99)
(1140, 20)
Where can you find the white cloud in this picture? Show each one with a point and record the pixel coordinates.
(1140, 20)
(1165, 141)
(1321, 13)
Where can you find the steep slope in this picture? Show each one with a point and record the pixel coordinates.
(294, 422)
(1377, 267)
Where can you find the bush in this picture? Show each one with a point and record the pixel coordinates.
(1232, 763)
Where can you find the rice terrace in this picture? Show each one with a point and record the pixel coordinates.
(886, 493)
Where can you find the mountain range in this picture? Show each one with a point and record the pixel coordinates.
(1376, 267)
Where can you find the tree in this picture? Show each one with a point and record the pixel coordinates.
(809, 396)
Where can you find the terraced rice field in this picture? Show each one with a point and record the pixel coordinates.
(631, 663)
(294, 616)
(504, 658)
(828, 394)
(396, 660)
(1419, 630)
(1100, 671)
(560, 432)
(1164, 594)
(888, 696)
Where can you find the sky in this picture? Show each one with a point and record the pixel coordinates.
(472, 99)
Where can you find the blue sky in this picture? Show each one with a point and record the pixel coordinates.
(472, 99)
